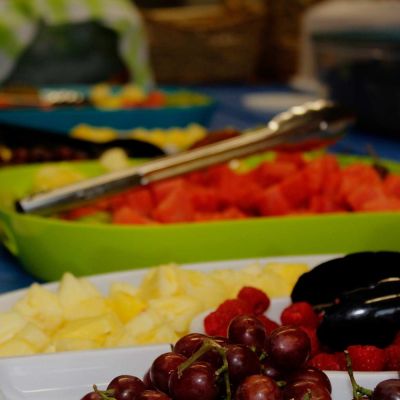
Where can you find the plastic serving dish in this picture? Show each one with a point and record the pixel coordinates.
(63, 119)
(48, 247)
(70, 375)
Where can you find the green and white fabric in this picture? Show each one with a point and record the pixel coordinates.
(20, 19)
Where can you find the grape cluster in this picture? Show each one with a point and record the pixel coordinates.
(248, 364)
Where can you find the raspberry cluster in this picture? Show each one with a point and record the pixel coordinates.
(249, 301)
(301, 314)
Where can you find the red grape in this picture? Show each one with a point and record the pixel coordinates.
(388, 389)
(258, 387)
(242, 361)
(310, 374)
(288, 347)
(153, 395)
(147, 381)
(269, 369)
(247, 330)
(162, 368)
(189, 344)
(126, 387)
(197, 382)
(299, 389)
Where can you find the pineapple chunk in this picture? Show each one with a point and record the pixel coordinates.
(68, 344)
(177, 311)
(79, 298)
(289, 273)
(205, 289)
(95, 329)
(34, 336)
(162, 281)
(148, 327)
(10, 324)
(125, 306)
(16, 347)
(124, 287)
(42, 307)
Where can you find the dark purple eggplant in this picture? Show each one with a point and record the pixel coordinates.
(327, 281)
(364, 316)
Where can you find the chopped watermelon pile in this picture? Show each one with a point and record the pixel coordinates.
(288, 185)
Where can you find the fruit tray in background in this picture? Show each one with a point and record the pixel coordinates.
(39, 243)
(116, 107)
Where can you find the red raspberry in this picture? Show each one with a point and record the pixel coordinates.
(269, 324)
(392, 355)
(366, 358)
(325, 361)
(300, 314)
(216, 323)
(312, 334)
(256, 298)
(341, 358)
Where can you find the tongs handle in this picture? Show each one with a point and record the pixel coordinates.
(315, 123)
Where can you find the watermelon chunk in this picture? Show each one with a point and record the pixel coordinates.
(292, 157)
(360, 195)
(269, 173)
(203, 199)
(357, 175)
(140, 200)
(318, 171)
(295, 189)
(162, 189)
(175, 207)
(392, 185)
(274, 202)
(382, 204)
(127, 216)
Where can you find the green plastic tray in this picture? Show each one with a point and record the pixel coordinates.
(48, 247)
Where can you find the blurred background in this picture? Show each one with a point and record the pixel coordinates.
(252, 58)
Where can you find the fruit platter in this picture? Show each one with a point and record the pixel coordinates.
(60, 109)
(175, 231)
(266, 349)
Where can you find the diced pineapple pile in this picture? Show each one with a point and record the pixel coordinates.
(171, 140)
(78, 316)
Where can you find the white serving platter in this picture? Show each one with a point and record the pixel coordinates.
(103, 281)
(70, 375)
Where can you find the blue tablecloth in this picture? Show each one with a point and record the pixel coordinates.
(231, 112)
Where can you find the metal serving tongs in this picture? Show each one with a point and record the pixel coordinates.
(310, 125)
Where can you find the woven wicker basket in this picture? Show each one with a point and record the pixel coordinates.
(280, 52)
(205, 44)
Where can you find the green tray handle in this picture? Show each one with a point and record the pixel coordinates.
(7, 237)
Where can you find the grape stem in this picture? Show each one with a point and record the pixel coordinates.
(209, 344)
(359, 392)
(104, 394)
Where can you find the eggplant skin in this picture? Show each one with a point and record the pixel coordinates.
(366, 323)
(325, 282)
